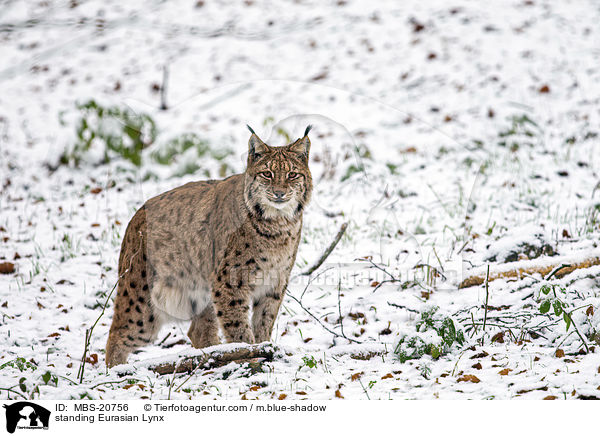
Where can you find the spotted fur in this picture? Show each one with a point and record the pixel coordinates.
(217, 252)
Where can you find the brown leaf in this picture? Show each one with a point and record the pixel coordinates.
(469, 378)
(374, 284)
(388, 375)
(322, 75)
(505, 371)
(96, 190)
(590, 311)
(7, 268)
(307, 340)
(560, 353)
(5, 304)
(254, 388)
(477, 366)
(498, 337)
(53, 335)
(282, 397)
(93, 359)
(479, 355)
(300, 393)
(338, 394)
(544, 89)
(550, 397)
(129, 386)
(566, 234)
(356, 376)
(95, 225)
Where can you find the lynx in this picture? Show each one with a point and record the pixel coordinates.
(216, 252)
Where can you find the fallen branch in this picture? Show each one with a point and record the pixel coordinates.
(210, 357)
(558, 270)
(328, 251)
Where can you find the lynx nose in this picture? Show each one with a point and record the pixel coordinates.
(279, 195)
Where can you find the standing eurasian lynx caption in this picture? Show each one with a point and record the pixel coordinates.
(216, 252)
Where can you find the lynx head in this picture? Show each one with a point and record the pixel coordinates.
(278, 183)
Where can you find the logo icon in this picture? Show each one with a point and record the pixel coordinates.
(26, 415)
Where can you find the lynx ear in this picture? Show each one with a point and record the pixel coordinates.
(302, 145)
(255, 145)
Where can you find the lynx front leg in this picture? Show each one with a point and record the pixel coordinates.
(231, 299)
(264, 315)
(204, 329)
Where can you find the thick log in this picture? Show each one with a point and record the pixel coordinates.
(517, 272)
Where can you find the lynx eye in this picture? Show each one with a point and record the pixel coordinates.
(267, 174)
(292, 175)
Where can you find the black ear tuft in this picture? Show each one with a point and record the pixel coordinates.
(250, 128)
(308, 128)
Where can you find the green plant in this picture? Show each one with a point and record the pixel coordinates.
(554, 298)
(435, 337)
(521, 129)
(116, 131)
(309, 362)
(19, 363)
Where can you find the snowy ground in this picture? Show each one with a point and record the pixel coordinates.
(449, 135)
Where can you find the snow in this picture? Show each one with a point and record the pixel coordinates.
(434, 138)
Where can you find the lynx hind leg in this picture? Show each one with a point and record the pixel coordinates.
(264, 313)
(204, 330)
(134, 322)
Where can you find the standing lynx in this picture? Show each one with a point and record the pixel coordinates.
(217, 252)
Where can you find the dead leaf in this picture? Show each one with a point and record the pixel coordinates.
(322, 75)
(498, 337)
(469, 378)
(53, 335)
(300, 393)
(338, 394)
(93, 359)
(282, 397)
(307, 340)
(544, 89)
(477, 366)
(505, 371)
(388, 375)
(7, 268)
(356, 376)
(5, 304)
(254, 388)
(374, 284)
(96, 190)
(95, 225)
(550, 397)
(590, 311)
(129, 386)
(479, 355)
(560, 353)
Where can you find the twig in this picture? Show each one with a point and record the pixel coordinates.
(487, 293)
(340, 307)
(126, 379)
(587, 350)
(320, 323)
(403, 307)
(364, 390)
(13, 391)
(556, 270)
(163, 89)
(328, 251)
(88, 334)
